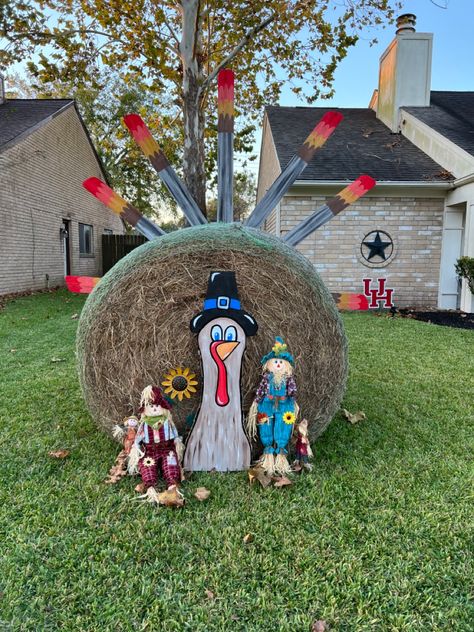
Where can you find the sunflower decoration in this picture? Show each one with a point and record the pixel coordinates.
(289, 418)
(180, 383)
(148, 461)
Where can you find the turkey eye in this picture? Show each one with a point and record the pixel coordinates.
(231, 333)
(216, 333)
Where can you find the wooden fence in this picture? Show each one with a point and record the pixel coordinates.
(114, 247)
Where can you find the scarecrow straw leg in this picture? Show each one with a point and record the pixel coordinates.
(295, 167)
(225, 145)
(326, 212)
(142, 136)
(121, 207)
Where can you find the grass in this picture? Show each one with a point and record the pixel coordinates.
(376, 538)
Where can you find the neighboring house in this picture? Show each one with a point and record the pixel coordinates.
(50, 226)
(419, 146)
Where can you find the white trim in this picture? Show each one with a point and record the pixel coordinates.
(459, 182)
(431, 134)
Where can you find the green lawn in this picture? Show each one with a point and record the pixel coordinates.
(377, 538)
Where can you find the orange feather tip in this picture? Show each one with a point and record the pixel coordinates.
(352, 302)
(141, 135)
(105, 194)
(357, 189)
(327, 125)
(81, 285)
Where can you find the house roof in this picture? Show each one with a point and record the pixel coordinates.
(20, 117)
(452, 115)
(361, 145)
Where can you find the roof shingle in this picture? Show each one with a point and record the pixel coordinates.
(18, 116)
(452, 115)
(361, 144)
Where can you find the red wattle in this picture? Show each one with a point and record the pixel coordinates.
(222, 396)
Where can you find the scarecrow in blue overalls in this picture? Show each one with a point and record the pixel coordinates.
(274, 410)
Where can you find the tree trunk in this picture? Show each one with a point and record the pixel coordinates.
(194, 119)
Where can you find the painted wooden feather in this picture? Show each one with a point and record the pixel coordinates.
(142, 136)
(121, 207)
(295, 167)
(324, 213)
(225, 145)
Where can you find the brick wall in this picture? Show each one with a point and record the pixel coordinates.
(415, 225)
(40, 184)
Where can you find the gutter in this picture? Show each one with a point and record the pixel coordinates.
(459, 182)
(391, 183)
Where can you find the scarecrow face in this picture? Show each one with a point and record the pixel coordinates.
(278, 365)
(154, 410)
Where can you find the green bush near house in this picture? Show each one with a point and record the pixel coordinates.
(377, 538)
(465, 270)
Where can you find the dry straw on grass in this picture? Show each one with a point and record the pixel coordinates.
(134, 327)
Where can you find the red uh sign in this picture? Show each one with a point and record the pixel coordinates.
(379, 294)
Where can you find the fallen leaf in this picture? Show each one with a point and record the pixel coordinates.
(319, 626)
(140, 488)
(74, 316)
(202, 493)
(118, 470)
(12, 350)
(60, 454)
(258, 474)
(283, 482)
(353, 417)
(248, 538)
(296, 467)
(57, 360)
(210, 594)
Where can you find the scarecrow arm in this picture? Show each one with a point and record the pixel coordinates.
(326, 212)
(142, 136)
(291, 387)
(295, 167)
(262, 390)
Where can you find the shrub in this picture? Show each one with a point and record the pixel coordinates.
(465, 269)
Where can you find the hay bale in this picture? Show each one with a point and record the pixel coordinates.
(134, 326)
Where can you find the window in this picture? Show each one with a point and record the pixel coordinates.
(86, 241)
(108, 231)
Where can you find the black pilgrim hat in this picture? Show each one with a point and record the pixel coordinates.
(222, 300)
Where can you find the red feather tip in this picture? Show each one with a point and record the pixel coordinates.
(93, 185)
(367, 182)
(332, 118)
(132, 121)
(225, 78)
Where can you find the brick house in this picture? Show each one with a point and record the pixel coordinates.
(50, 226)
(419, 146)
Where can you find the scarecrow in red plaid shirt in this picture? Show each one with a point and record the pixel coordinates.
(157, 449)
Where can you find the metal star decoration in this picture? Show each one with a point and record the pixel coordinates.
(377, 247)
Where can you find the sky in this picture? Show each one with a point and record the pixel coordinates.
(453, 54)
(451, 22)
(453, 57)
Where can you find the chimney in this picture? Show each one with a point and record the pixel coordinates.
(405, 72)
(2, 89)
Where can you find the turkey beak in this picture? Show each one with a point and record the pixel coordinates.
(224, 349)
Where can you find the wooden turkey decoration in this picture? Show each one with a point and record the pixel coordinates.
(217, 439)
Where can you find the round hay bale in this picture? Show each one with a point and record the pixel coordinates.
(134, 326)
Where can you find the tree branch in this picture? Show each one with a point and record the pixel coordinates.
(245, 39)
